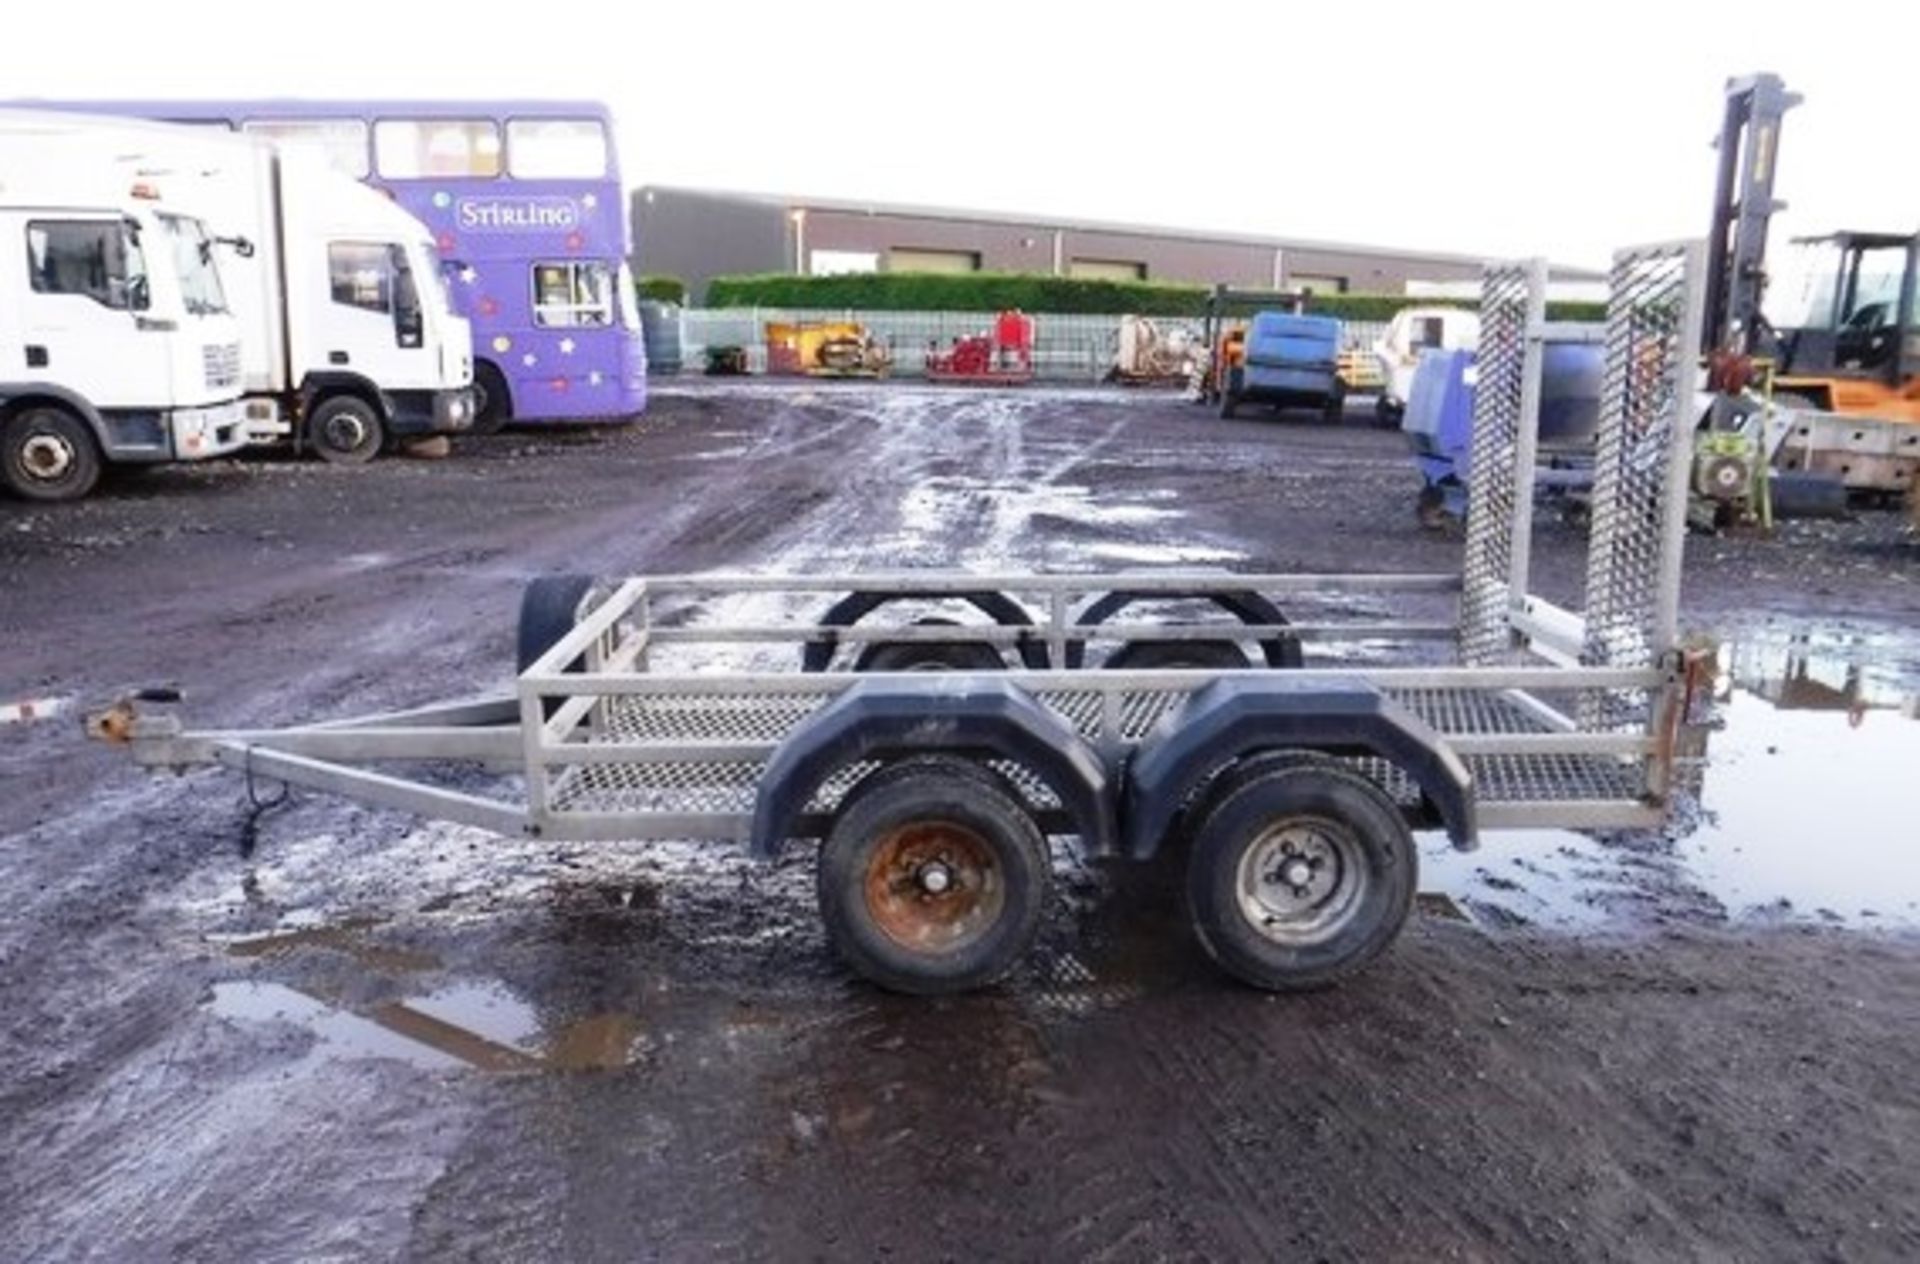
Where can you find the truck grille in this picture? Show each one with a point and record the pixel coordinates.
(221, 363)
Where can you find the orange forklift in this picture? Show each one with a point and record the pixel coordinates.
(1855, 345)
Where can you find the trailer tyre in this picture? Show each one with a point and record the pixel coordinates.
(1176, 655)
(933, 877)
(1301, 873)
(893, 656)
(549, 607)
(345, 430)
(48, 454)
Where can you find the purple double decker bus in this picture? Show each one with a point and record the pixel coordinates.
(525, 203)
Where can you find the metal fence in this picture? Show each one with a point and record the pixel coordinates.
(1067, 348)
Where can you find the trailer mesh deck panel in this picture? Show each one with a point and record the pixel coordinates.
(663, 784)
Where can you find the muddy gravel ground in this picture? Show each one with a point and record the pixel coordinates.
(379, 1038)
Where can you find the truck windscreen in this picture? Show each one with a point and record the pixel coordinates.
(192, 248)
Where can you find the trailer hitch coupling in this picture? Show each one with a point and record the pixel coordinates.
(115, 724)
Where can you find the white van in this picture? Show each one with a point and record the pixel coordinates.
(1412, 331)
(348, 338)
(116, 342)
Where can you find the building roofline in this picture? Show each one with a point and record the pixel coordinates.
(907, 210)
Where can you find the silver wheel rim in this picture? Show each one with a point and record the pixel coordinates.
(345, 432)
(47, 457)
(1301, 880)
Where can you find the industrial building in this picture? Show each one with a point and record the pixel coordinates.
(698, 234)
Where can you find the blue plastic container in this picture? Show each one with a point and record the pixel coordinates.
(1291, 360)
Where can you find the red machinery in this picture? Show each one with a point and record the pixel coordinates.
(1000, 357)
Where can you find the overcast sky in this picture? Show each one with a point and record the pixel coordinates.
(1498, 129)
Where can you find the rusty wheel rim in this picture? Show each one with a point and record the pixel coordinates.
(934, 886)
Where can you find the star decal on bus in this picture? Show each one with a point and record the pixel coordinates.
(566, 346)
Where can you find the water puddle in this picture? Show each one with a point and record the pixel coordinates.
(473, 1024)
(1143, 554)
(338, 1032)
(33, 710)
(1805, 812)
(1549, 878)
(1807, 807)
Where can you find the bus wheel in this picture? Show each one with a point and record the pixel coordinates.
(345, 430)
(47, 453)
(933, 877)
(1301, 873)
(492, 401)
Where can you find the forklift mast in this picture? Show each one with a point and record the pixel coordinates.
(1743, 205)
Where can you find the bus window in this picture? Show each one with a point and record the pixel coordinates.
(413, 149)
(572, 294)
(556, 149)
(342, 142)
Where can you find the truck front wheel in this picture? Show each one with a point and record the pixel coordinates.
(1302, 871)
(48, 454)
(492, 399)
(933, 877)
(345, 430)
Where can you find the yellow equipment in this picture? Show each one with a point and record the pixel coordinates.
(825, 349)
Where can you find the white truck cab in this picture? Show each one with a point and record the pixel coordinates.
(116, 341)
(353, 337)
(348, 339)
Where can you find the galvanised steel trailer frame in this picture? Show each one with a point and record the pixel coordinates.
(1129, 709)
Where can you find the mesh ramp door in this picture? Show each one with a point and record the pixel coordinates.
(1642, 454)
(1512, 296)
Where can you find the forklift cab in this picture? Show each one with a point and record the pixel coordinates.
(1848, 308)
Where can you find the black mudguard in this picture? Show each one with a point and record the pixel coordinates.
(1238, 716)
(849, 610)
(972, 715)
(1282, 650)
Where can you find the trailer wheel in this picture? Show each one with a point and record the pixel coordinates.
(549, 607)
(48, 454)
(1301, 873)
(893, 656)
(1150, 655)
(933, 877)
(345, 430)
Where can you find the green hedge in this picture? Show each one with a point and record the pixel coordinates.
(994, 291)
(954, 292)
(662, 289)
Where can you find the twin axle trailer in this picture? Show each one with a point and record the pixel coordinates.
(929, 731)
